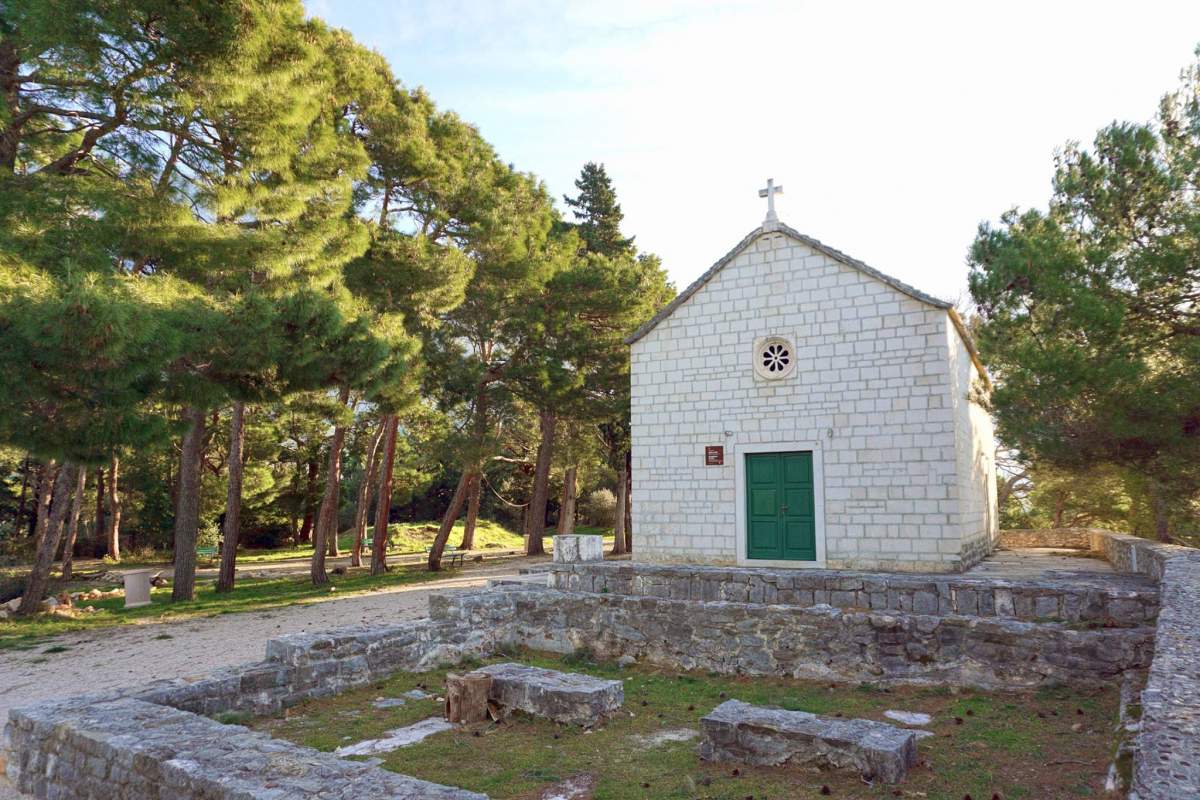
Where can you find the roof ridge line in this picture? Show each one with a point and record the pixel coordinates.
(815, 244)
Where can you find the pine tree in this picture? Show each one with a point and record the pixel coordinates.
(1088, 309)
(597, 213)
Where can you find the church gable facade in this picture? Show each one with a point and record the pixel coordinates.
(796, 408)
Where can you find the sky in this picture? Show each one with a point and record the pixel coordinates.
(894, 128)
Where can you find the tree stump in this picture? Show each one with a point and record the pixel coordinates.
(467, 697)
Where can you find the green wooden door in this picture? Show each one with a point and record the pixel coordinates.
(781, 520)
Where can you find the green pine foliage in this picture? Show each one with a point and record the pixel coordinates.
(598, 214)
(1089, 311)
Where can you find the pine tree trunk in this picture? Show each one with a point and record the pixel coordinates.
(619, 512)
(327, 517)
(361, 511)
(112, 519)
(452, 512)
(98, 523)
(73, 525)
(45, 490)
(10, 133)
(535, 522)
(1162, 519)
(474, 489)
(232, 528)
(187, 506)
(383, 506)
(310, 489)
(566, 510)
(24, 497)
(39, 576)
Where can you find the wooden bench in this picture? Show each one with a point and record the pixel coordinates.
(451, 554)
(207, 553)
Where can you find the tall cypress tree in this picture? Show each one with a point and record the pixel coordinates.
(598, 214)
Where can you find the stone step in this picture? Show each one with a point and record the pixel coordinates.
(764, 736)
(565, 697)
(1106, 599)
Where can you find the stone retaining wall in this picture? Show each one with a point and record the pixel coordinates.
(817, 643)
(1069, 538)
(148, 743)
(151, 742)
(302, 666)
(128, 749)
(1167, 759)
(1166, 763)
(1064, 600)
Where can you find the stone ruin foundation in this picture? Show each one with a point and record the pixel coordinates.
(157, 741)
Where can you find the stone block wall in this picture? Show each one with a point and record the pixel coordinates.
(1167, 759)
(1069, 538)
(302, 666)
(151, 742)
(872, 392)
(1166, 764)
(1069, 600)
(978, 515)
(817, 643)
(127, 749)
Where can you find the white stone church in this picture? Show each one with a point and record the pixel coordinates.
(795, 407)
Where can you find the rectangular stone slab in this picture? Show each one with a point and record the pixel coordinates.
(740, 732)
(565, 697)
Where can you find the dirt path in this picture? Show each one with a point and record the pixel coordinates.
(133, 654)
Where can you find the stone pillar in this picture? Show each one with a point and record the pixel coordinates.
(137, 588)
(576, 548)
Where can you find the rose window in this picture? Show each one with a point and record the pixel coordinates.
(776, 357)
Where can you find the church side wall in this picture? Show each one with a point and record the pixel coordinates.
(870, 391)
(975, 451)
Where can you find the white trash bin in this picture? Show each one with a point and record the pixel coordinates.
(137, 588)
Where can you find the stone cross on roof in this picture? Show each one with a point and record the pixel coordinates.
(770, 193)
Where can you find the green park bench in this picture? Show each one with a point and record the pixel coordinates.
(451, 554)
(207, 553)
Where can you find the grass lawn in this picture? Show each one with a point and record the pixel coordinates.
(403, 537)
(416, 537)
(1055, 743)
(249, 594)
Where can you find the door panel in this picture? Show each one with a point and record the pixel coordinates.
(780, 507)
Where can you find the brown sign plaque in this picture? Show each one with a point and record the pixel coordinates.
(714, 455)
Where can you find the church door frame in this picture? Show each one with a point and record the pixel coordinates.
(739, 452)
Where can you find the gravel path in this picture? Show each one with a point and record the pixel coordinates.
(133, 654)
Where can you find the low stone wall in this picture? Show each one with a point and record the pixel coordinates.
(1069, 538)
(817, 643)
(128, 749)
(1136, 555)
(302, 666)
(1167, 759)
(1166, 764)
(1131, 554)
(1064, 600)
(151, 742)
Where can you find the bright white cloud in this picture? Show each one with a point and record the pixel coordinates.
(895, 127)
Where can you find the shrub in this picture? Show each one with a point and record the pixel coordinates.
(599, 508)
(11, 588)
(265, 536)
